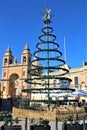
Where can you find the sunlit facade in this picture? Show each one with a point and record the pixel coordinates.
(14, 75)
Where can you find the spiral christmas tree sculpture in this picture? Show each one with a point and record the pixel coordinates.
(47, 65)
(48, 80)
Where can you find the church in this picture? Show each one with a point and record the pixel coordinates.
(14, 73)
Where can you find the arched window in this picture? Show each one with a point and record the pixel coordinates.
(76, 81)
(24, 59)
(5, 61)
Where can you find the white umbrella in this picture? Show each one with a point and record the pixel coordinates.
(78, 92)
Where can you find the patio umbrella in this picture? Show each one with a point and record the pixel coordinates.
(78, 92)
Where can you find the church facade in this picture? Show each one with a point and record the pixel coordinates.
(14, 73)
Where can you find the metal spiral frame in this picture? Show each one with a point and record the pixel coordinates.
(44, 72)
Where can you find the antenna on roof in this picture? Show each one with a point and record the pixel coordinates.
(65, 49)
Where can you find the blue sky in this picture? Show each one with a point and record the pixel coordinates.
(21, 22)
